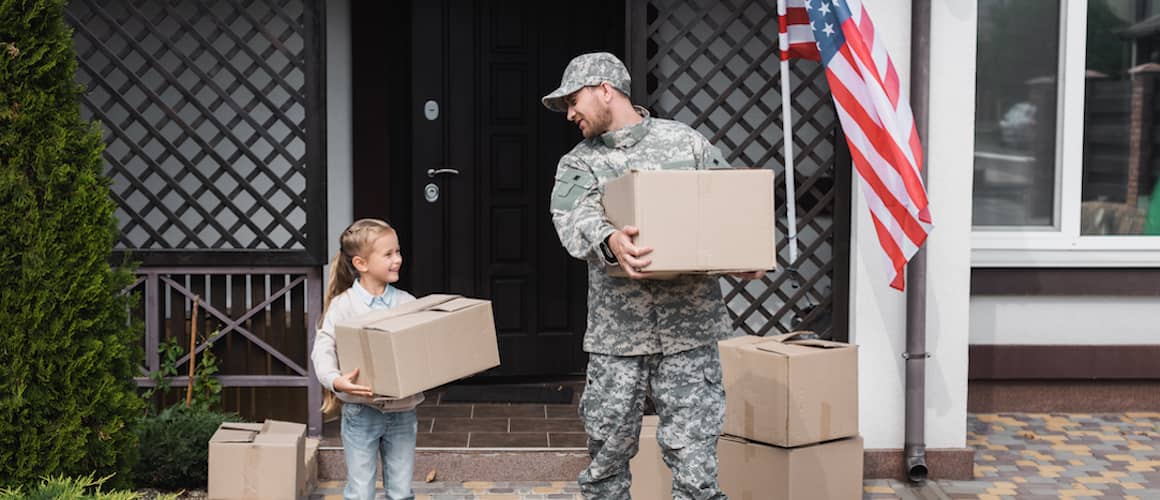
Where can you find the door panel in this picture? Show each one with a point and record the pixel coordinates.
(486, 64)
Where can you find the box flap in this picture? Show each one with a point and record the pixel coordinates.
(281, 427)
(243, 426)
(369, 320)
(233, 436)
(456, 304)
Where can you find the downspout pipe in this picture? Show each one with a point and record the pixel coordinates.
(916, 355)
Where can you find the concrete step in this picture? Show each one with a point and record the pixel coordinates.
(469, 464)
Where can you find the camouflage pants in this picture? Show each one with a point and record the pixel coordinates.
(686, 388)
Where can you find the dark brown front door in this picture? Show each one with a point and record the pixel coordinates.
(484, 154)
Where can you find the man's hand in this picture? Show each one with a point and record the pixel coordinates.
(345, 383)
(628, 254)
(749, 275)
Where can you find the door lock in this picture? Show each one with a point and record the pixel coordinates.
(431, 193)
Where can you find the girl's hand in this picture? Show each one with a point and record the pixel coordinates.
(345, 383)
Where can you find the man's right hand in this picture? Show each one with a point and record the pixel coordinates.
(345, 383)
(628, 254)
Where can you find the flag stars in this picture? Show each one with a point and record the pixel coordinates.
(828, 30)
(809, 5)
(825, 8)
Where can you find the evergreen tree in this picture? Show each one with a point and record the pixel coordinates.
(67, 355)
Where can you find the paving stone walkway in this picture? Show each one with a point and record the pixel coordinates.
(1018, 455)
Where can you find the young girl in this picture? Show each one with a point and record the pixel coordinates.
(361, 274)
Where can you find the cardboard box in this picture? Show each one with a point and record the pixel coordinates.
(756, 471)
(310, 458)
(788, 392)
(264, 460)
(651, 478)
(419, 345)
(697, 221)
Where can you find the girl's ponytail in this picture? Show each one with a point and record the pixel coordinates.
(341, 277)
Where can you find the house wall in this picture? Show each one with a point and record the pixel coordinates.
(1064, 320)
(339, 163)
(878, 313)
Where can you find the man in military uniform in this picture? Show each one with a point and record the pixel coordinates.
(654, 337)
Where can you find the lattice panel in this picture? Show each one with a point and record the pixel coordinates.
(714, 65)
(204, 111)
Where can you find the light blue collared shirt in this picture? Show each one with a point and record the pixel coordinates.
(384, 301)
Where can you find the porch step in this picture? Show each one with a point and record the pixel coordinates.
(464, 464)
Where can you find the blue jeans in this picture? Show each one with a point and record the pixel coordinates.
(367, 435)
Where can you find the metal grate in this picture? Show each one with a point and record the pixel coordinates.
(204, 108)
(714, 65)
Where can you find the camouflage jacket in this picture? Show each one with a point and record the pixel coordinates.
(633, 317)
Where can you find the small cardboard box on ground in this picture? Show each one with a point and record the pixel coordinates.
(651, 478)
(310, 458)
(250, 461)
(756, 471)
(697, 221)
(788, 392)
(419, 345)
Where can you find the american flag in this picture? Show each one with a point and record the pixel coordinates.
(875, 117)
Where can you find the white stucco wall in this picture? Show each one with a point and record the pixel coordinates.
(878, 312)
(339, 202)
(1065, 320)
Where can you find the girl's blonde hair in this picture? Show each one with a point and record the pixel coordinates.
(355, 240)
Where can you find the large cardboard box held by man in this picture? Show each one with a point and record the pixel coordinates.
(697, 221)
(251, 461)
(788, 392)
(418, 345)
(756, 471)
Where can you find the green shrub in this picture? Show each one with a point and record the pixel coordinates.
(67, 361)
(60, 487)
(175, 447)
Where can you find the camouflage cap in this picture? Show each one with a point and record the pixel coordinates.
(585, 70)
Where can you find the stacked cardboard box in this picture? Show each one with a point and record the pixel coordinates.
(791, 423)
(267, 460)
(791, 419)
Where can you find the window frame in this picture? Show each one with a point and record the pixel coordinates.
(1061, 245)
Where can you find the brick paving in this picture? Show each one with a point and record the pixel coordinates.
(1018, 455)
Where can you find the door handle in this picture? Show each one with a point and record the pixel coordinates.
(431, 172)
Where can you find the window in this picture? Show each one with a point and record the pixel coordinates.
(1067, 133)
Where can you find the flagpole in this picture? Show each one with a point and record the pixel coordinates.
(787, 142)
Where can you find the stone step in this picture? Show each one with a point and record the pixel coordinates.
(486, 464)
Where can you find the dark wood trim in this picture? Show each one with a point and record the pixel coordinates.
(1055, 362)
(214, 258)
(1045, 396)
(1121, 282)
(314, 20)
(636, 47)
(844, 183)
(957, 464)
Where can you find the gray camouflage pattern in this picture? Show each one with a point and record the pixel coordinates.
(629, 317)
(586, 70)
(690, 401)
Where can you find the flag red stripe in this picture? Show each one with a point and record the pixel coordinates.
(911, 226)
(857, 45)
(883, 142)
(893, 253)
(797, 15)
